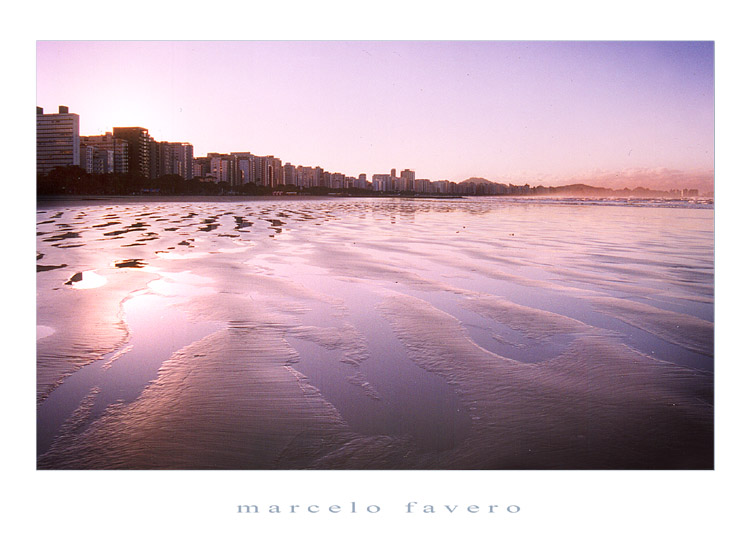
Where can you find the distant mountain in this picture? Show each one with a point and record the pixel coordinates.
(579, 188)
(482, 186)
(477, 180)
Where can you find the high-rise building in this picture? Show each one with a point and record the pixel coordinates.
(201, 167)
(224, 168)
(169, 158)
(305, 176)
(267, 171)
(276, 170)
(97, 160)
(57, 140)
(361, 181)
(139, 149)
(290, 174)
(337, 180)
(407, 180)
(444, 186)
(422, 185)
(317, 176)
(156, 158)
(244, 167)
(108, 142)
(382, 182)
(86, 158)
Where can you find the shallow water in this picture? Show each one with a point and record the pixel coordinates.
(375, 333)
(156, 331)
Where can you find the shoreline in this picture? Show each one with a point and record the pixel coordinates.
(42, 199)
(45, 201)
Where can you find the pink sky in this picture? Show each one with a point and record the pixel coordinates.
(605, 113)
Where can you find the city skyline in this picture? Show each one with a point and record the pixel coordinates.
(616, 114)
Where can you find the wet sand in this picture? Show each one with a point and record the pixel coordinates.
(373, 334)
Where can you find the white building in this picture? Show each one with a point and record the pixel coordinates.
(222, 168)
(407, 180)
(58, 141)
(382, 183)
(108, 142)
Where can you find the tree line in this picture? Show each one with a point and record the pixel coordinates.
(74, 180)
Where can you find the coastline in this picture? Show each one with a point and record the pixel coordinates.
(51, 200)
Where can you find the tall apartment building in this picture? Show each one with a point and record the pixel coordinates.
(245, 167)
(181, 155)
(267, 171)
(97, 160)
(201, 167)
(382, 182)
(238, 168)
(361, 181)
(444, 186)
(337, 180)
(110, 143)
(317, 176)
(290, 174)
(155, 152)
(305, 176)
(422, 185)
(407, 180)
(139, 149)
(57, 140)
(169, 158)
(223, 168)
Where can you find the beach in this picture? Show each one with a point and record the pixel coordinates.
(374, 333)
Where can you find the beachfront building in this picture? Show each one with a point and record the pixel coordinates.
(422, 185)
(444, 187)
(97, 161)
(57, 140)
(201, 167)
(304, 176)
(308, 177)
(239, 168)
(139, 149)
(267, 171)
(168, 158)
(407, 180)
(361, 181)
(337, 180)
(116, 148)
(382, 182)
(290, 174)
(223, 167)
(245, 167)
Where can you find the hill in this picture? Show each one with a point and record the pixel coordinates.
(477, 180)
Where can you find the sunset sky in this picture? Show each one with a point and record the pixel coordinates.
(604, 113)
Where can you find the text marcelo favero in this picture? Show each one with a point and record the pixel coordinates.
(354, 507)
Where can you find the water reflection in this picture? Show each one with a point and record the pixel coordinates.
(157, 330)
(86, 280)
